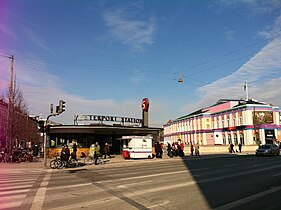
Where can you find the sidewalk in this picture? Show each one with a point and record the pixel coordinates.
(116, 161)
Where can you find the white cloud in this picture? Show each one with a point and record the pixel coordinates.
(41, 88)
(130, 29)
(262, 71)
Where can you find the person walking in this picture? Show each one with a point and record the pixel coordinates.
(197, 153)
(106, 151)
(191, 149)
(240, 147)
(169, 149)
(97, 152)
(231, 148)
(74, 151)
(67, 153)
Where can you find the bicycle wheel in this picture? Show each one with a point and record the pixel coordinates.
(54, 164)
(73, 163)
(60, 164)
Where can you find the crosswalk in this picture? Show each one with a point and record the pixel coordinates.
(15, 187)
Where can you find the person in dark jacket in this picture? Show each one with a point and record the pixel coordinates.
(240, 147)
(106, 150)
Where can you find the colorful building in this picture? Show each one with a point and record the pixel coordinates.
(228, 121)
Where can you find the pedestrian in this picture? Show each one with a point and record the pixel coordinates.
(191, 149)
(231, 148)
(197, 153)
(240, 147)
(97, 152)
(67, 153)
(169, 149)
(161, 150)
(74, 151)
(106, 151)
(91, 153)
(62, 153)
(158, 150)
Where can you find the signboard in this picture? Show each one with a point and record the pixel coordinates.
(102, 118)
(145, 104)
(263, 117)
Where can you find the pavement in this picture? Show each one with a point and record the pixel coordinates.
(115, 161)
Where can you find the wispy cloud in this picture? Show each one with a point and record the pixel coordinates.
(255, 7)
(7, 31)
(229, 35)
(36, 38)
(129, 28)
(40, 88)
(262, 71)
(138, 77)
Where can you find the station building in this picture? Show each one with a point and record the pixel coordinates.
(88, 129)
(248, 122)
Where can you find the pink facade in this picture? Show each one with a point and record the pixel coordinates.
(221, 107)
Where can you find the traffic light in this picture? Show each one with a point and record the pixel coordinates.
(47, 128)
(41, 124)
(61, 106)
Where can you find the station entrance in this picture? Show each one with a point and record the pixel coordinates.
(86, 135)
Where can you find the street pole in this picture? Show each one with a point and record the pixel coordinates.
(9, 139)
(45, 139)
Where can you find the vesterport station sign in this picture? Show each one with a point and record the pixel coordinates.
(102, 119)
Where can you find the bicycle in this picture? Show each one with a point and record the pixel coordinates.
(56, 163)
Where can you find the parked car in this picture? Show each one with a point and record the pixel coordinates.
(267, 150)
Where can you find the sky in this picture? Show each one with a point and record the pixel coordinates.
(103, 57)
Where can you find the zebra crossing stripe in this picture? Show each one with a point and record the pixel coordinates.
(15, 187)
(14, 192)
(41, 192)
(10, 205)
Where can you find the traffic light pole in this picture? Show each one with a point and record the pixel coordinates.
(45, 139)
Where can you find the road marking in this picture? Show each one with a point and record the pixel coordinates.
(157, 205)
(11, 198)
(15, 187)
(15, 180)
(37, 203)
(14, 192)
(18, 184)
(10, 205)
(248, 199)
(277, 174)
(69, 186)
(133, 184)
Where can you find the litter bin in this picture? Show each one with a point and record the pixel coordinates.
(126, 154)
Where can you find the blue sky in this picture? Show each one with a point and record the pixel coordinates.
(104, 57)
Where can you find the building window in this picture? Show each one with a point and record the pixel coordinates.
(240, 121)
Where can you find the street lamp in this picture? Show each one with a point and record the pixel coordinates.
(180, 80)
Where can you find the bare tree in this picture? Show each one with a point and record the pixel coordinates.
(23, 128)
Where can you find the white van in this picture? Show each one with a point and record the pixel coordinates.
(137, 147)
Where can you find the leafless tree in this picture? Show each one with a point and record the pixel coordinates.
(23, 128)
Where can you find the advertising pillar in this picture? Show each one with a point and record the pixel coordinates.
(145, 106)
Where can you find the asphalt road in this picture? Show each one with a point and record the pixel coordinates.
(236, 182)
